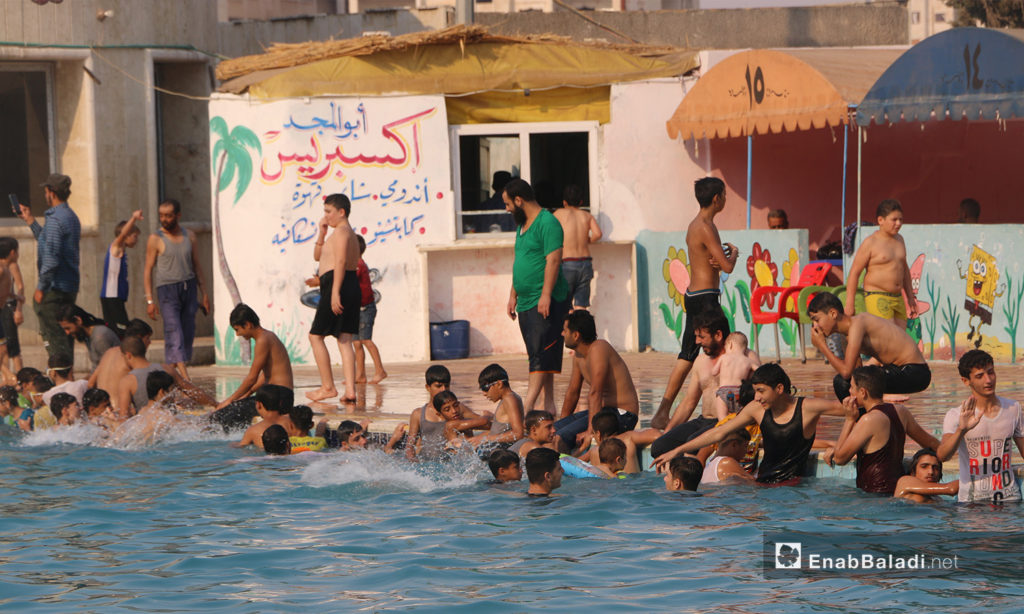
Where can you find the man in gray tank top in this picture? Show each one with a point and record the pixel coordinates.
(172, 267)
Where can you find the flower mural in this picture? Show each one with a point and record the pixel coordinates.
(762, 272)
(791, 276)
(676, 271)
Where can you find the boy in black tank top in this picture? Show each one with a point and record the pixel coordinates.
(788, 425)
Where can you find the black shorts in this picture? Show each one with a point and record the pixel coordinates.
(326, 323)
(905, 379)
(681, 434)
(695, 303)
(543, 337)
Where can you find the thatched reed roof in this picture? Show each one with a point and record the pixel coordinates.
(288, 55)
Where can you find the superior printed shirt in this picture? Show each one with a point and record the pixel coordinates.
(532, 247)
(984, 454)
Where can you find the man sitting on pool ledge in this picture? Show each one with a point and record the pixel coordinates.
(879, 436)
(905, 368)
(596, 362)
(922, 485)
(544, 471)
(788, 425)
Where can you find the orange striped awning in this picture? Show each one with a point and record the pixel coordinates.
(764, 90)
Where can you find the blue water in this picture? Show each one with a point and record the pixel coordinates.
(192, 525)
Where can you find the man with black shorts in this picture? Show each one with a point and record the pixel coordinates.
(707, 256)
(337, 314)
(539, 295)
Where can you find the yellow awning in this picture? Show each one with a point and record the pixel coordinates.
(762, 91)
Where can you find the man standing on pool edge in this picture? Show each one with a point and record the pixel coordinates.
(539, 296)
(707, 256)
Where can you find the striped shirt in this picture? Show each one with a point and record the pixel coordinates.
(57, 257)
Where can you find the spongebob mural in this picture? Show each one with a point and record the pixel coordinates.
(982, 277)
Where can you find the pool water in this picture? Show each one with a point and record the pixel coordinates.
(189, 524)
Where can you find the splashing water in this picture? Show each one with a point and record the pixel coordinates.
(376, 468)
(84, 433)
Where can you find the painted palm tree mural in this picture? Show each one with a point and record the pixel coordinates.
(232, 162)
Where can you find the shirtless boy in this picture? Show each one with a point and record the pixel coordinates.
(736, 365)
(272, 403)
(616, 457)
(707, 258)
(579, 229)
(107, 375)
(597, 363)
(879, 436)
(884, 255)
(337, 314)
(788, 426)
(270, 365)
(507, 425)
(923, 483)
(905, 368)
(12, 297)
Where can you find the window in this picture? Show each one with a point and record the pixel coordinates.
(915, 17)
(940, 18)
(548, 156)
(26, 153)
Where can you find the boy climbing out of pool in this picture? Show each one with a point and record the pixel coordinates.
(878, 436)
(726, 462)
(982, 431)
(902, 362)
(540, 433)
(544, 471)
(735, 365)
(924, 482)
(270, 365)
(616, 457)
(683, 474)
(273, 403)
(507, 424)
(505, 467)
(884, 256)
(788, 426)
(708, 257)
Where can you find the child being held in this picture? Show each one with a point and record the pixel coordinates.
(734, 366)
(612, 458)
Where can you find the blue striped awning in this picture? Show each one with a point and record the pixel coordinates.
(977, 73)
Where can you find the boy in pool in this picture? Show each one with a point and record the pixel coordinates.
(273, 403)
(458, 424)
(544, 471)
(540, 433)
(504, 465)
(65, 408)
(684, 473)
(44, 418)
(735, 365)
(424, 422)
(726, 462)
(606, 425)
(616, 458)
(507, 425)
(275, 441)
(9, 409)
(922, 484)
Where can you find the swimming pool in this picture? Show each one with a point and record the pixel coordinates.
(193, 525)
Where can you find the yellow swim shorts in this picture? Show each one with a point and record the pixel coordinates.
(888, 305)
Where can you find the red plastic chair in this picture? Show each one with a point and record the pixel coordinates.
(811, 275)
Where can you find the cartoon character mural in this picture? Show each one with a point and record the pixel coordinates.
(914, 326)
(981, 292)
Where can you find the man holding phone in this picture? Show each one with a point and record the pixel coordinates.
(57, 260)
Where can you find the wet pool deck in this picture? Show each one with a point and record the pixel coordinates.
(390, 402)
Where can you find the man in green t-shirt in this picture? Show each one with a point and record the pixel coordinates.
(539, 295)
